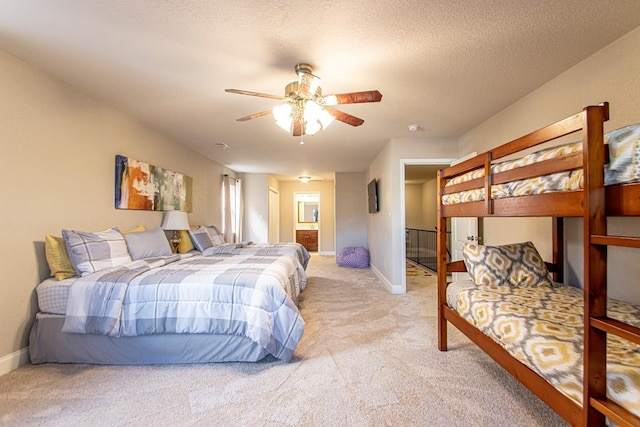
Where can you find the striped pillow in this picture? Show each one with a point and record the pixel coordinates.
(201, 238)
(216, 237)
(91, 252)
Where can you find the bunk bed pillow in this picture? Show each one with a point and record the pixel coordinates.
(91, 252)
(518, 264)
(623, 147)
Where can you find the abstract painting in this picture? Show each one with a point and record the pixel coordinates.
(143, 186)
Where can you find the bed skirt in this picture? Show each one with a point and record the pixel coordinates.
(48, 344)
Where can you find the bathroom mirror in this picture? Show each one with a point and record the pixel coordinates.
(307, 211)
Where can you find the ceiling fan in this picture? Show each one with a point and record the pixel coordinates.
(306, 110)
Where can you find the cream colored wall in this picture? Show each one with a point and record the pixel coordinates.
(609, 75)
(429, 205)
(57, 163)
(326, 214)
(413, 206)
(351, 210)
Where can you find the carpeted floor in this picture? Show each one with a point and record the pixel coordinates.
(368, 358)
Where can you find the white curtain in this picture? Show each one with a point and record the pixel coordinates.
(231, 209)
(239, 211)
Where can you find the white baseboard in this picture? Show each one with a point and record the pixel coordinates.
(387, 284)
(327, 253)
(14, 360)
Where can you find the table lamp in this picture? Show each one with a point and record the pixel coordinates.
(176, 221)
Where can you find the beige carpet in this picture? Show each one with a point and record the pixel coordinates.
(368, 358)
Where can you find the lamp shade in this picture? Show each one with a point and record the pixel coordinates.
(175, 220)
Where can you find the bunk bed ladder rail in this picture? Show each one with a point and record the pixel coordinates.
(604, 325)
(596, 406)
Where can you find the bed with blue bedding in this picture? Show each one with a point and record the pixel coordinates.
(182, 308)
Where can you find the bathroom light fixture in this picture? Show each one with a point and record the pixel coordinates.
(304, 178)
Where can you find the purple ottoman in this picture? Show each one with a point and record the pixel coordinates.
(353, 257)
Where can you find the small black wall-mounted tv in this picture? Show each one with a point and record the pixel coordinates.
(372, 192)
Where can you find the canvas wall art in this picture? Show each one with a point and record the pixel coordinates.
(140, 185)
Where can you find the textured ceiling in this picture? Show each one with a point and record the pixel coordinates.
(446, 65)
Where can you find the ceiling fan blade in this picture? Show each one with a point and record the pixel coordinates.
(254, 116)
(261, 95)
(353, 97)
(344, 117)
(298, 129)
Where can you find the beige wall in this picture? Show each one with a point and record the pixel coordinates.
(351, 210)
(430, 204)
(57, 162)
(421, 205)
(413, 206)
(326, 221)
(609, 75)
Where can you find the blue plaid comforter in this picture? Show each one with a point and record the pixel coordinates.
(247, 295)
(295, 250)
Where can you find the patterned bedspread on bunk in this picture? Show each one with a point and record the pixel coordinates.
(624, 167)
(542, 327)
(252, 296)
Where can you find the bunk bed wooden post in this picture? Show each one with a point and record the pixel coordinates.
(442, 268)
(557, 232)
(595, 264)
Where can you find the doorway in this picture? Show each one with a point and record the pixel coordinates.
(307, 219)
(425, 170)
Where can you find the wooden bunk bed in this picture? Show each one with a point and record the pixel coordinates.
(594, 203)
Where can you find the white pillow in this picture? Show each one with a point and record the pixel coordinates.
(91, 252)
(148, 244)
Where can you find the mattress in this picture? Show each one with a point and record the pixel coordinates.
(543, 328)
(53, 295)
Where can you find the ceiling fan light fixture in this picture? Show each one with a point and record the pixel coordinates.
(330, 100)
(306, 111)
(325, 118)
(282, 115)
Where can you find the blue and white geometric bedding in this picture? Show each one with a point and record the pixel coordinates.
(295, 250)
(251, 296)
